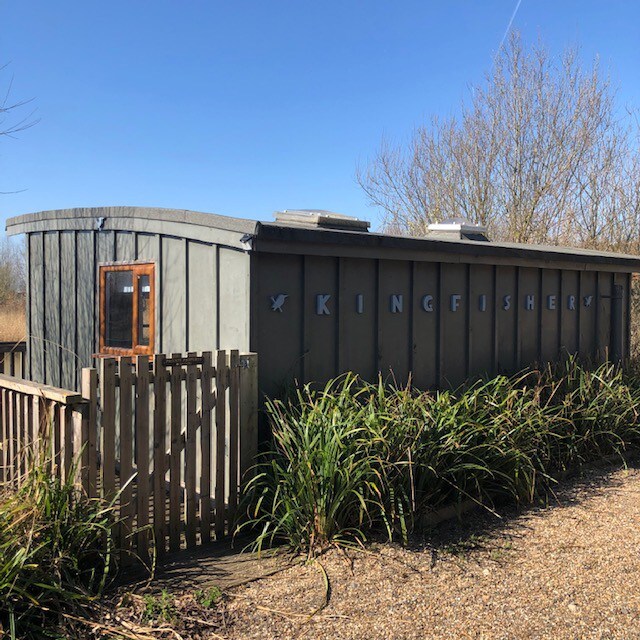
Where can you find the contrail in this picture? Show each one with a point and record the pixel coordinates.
(504, 37)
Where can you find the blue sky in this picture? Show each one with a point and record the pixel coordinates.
(245, 107)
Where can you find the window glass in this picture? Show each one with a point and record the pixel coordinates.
(144, 320)
(119, 309)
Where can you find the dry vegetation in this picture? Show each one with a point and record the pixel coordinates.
(12, 320)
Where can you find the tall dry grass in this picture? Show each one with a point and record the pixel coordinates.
(13, 323)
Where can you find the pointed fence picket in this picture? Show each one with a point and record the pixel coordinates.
(168, 438)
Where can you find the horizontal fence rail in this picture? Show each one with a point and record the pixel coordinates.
(168, 438)
(12, 358)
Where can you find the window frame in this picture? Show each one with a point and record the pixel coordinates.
(138, 269)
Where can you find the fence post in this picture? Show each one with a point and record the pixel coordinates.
(142, 455)
(205, 449)
(159, 452)
(108, 425)
(90, 430)
(248, 413)
(234, 379)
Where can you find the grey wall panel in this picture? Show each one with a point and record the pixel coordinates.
(147, 247)
(202, 297)
(52, 307)
(278, 333)
(36, 305)
(68, 316)
(506, 309)
(454, 306)
(588, 313)
(320, 346)
(481, 312)
(173, 312)
(622, 279)
(125, 246)
(603, 322)
(550, 320)
(569, 312)
(233, 299)
(86, 304)
(528, 316)
(394, 318)
(426, 283)
(105, 246)
(358, 317)
(148, 250)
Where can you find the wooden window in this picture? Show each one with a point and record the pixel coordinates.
(127, 309)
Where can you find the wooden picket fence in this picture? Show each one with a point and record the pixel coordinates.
(169, 438)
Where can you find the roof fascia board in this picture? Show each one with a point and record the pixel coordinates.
(273, 239)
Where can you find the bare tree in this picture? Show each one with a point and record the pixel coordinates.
(538, 154)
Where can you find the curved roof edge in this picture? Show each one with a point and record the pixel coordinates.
(22, 223)
(279, 237)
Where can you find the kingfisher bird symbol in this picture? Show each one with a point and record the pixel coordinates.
(277, 302)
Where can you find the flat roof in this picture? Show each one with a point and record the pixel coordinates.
(270, 236)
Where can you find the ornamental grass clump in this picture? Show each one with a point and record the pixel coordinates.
(355, 458)
(55, 552)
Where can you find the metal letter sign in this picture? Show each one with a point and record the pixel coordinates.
(360, 303)
(277, 301)
(455, 301)
(321, 304)
(396, 304)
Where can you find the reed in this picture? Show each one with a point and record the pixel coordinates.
(56, 552)
(355, 458)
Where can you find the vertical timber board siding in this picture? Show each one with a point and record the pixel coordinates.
(550, 335)
(603, 332)
(278, 334)
(85, 299)
(36, 305)
(202, 297)
(233, 299)
(68, 321)
(481, 319)
(148, 250)
(528, 317)
(587, 314)
(320, 330)
(506, 309)
(105, 246)
(105, 252)
(147, 247)
(453, 314)
(569, 317)
(357, 328)
(622, 279)
(394, 319)
(52, 307)
(125, 246)
(173, 294)
(425, 324)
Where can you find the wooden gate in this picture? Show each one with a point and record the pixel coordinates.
(169, 438)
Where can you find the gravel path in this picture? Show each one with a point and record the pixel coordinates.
(568, 571)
